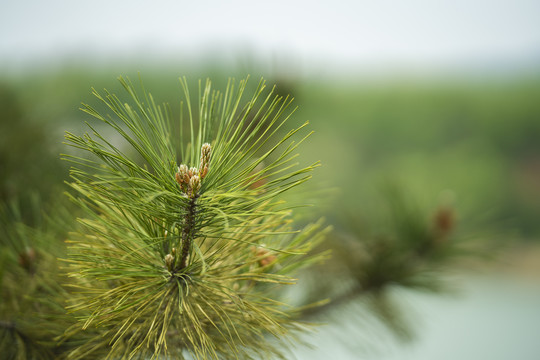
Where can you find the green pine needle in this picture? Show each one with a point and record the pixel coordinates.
(173, 259)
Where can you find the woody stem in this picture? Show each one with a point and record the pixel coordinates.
(187, 232)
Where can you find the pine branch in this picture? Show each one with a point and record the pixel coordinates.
(412, 253)
(187, 232)
(190, 254)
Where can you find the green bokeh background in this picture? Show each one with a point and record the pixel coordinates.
(474, 143)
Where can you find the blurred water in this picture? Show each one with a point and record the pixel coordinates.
(494, 317)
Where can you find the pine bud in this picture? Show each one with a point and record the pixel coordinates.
(169, 261)
(269, 259)
(444, 221)
(204, 171)
(195, 184)
(206, 149)
(265, 256)
(182, 175)
(193, 171)
(27, 259)
(178, 178)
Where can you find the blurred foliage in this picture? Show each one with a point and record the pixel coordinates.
(29, 162)
(32, 299)
(410, 248)
(477, 139)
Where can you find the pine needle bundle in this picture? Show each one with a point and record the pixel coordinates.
(187, 241)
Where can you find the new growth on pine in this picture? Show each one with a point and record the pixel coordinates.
(179, 253)
(190, 183)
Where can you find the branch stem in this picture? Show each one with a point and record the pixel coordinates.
(187, 232)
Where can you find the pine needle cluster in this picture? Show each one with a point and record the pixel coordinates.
(186, 242)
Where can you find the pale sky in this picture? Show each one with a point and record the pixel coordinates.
(336, 33)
